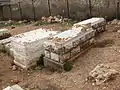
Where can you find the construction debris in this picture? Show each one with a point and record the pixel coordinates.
(101, 74)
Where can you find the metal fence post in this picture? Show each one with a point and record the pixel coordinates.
(117, 10)
(49, 8)
(10, 10)
(33, 7)
(90, 9)
(68, 10)
(1, 9)
(20, 10)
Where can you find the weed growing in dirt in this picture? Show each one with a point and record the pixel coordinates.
(40, 62)
(67, 66)
(5, 24)
(38, 23)
(2, 49)
(69, 23)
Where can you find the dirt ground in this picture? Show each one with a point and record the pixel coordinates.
(44, 79)
(26, 28)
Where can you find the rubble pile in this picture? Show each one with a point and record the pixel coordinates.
(55, 19)
(101, 73)
(114, 22)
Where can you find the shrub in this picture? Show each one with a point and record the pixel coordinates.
(5, 35)
(2, 49)
(40, 62)
(38, 23)
(67, 66)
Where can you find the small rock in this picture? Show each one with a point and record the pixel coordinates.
(118, 31)
(44, 19)
(10, 21)
(104, 88)
(49, 20)
(51, 17)
(14, 68)
(6, 23)
(25, 21)
(58, 16)
(60, 20)
(115, 21)
(65, 19)
(20, 22)
(15, 81)
(93, 84)
(12, 26)
(109, 23)
(53, 21)
(118, 22)
(28, 74)
(56, 19)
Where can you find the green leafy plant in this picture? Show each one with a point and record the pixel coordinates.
(38, 23)
(2, 49)
(40, 62)
(67, 66)
(14, 23)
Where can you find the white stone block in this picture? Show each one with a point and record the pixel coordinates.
(89, 22)
(28, 47)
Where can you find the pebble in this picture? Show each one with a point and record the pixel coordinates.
(14, 68)
(12, 26)
(115, 21)
(20, 22)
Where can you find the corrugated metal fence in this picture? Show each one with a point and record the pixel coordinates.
(76, 9)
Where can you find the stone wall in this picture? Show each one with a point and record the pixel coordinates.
(77, 9)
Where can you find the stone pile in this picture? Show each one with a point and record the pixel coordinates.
(101, 73)
(114, 22)
(55, 19)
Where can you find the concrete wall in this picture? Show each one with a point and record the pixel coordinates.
(78, 9)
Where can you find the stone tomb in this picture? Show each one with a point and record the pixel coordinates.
(28, 47)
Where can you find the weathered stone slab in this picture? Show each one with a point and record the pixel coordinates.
(28, 47)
